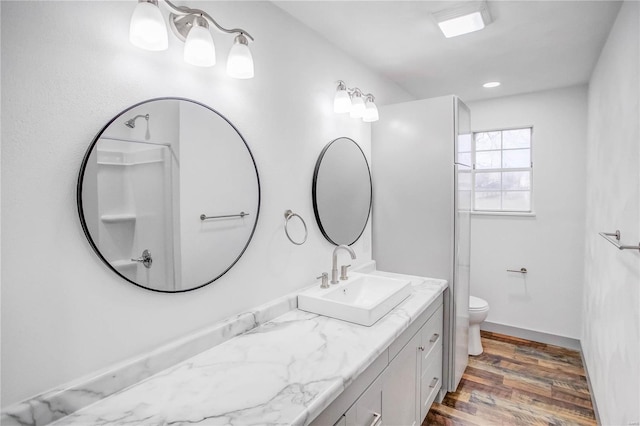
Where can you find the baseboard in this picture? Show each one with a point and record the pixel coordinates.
(593, 398)
(536, 336)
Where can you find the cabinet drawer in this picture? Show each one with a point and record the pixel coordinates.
(404, 338)
(367, 410)
(431, 381)
(431, 336)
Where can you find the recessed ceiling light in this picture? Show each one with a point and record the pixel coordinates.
(491, 84)
(463, 18)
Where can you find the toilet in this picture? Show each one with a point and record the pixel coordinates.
(478, 311)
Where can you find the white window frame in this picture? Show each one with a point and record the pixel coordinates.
(502, 212)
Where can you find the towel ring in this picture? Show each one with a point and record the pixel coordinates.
(288, 214)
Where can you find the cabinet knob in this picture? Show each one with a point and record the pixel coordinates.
(421, 348)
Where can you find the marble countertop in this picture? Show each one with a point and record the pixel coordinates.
(283, 372)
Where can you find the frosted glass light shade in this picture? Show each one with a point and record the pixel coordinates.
(199, 49)
(357, 107)
(342, 102)
(370, 112)
(147, 29)
(240, 62)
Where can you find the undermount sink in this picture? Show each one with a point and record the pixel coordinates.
(362, 299)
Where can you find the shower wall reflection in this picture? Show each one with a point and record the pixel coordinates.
(145, 188)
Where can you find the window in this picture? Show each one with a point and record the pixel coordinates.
(502, 170)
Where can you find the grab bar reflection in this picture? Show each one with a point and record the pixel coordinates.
(607, 236)
(205, 217)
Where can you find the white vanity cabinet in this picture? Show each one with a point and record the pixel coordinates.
(367, 410)
(399, 387)
(414, 377)
(430, 362)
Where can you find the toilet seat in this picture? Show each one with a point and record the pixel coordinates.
(477, 304)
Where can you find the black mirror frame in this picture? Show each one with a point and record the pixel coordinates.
(79, 187)
(315, 201)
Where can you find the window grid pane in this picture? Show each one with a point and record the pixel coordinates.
(518, 138)
(488, 141)
(503, 170)
(516, 158)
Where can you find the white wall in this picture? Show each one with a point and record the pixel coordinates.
(551, 244)
(611, 326)
(64, 314)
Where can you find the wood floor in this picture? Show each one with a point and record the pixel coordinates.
(518, 382)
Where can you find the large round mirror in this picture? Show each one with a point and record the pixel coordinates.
(169, 194)
(342, 191)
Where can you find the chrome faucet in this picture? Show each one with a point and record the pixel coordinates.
(334, 265)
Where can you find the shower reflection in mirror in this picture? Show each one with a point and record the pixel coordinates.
(135, 197)
(131, 123)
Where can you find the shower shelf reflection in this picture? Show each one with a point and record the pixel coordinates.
(117, 218)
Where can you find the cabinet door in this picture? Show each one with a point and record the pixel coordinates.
(401, 386)
(367, 410)
(430, 382)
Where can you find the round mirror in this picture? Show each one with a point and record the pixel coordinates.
(169, 195)
(342, 191)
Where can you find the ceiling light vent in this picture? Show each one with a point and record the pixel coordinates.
(463, 18)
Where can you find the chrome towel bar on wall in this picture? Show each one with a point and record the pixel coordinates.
(205, 217)
(607, 236)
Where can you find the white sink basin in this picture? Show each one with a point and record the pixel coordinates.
(362, 299)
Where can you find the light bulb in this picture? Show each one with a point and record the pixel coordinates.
(342, 101)
(147, 29)
(357, 107)
(199, 49)
(240, 61)
(370, 112)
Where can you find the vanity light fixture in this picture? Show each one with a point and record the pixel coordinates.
(463, 18)
(357, 104)
(342, 100)
(371, 110)
(240, 62)
(353, 101)
(199, 49)
(148, 31)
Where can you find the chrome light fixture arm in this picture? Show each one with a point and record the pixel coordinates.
(355, 91)
(182, 17)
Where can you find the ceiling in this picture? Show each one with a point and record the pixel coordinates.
(529, 46)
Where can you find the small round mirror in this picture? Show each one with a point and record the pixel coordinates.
(342, 191)
(169, 195)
